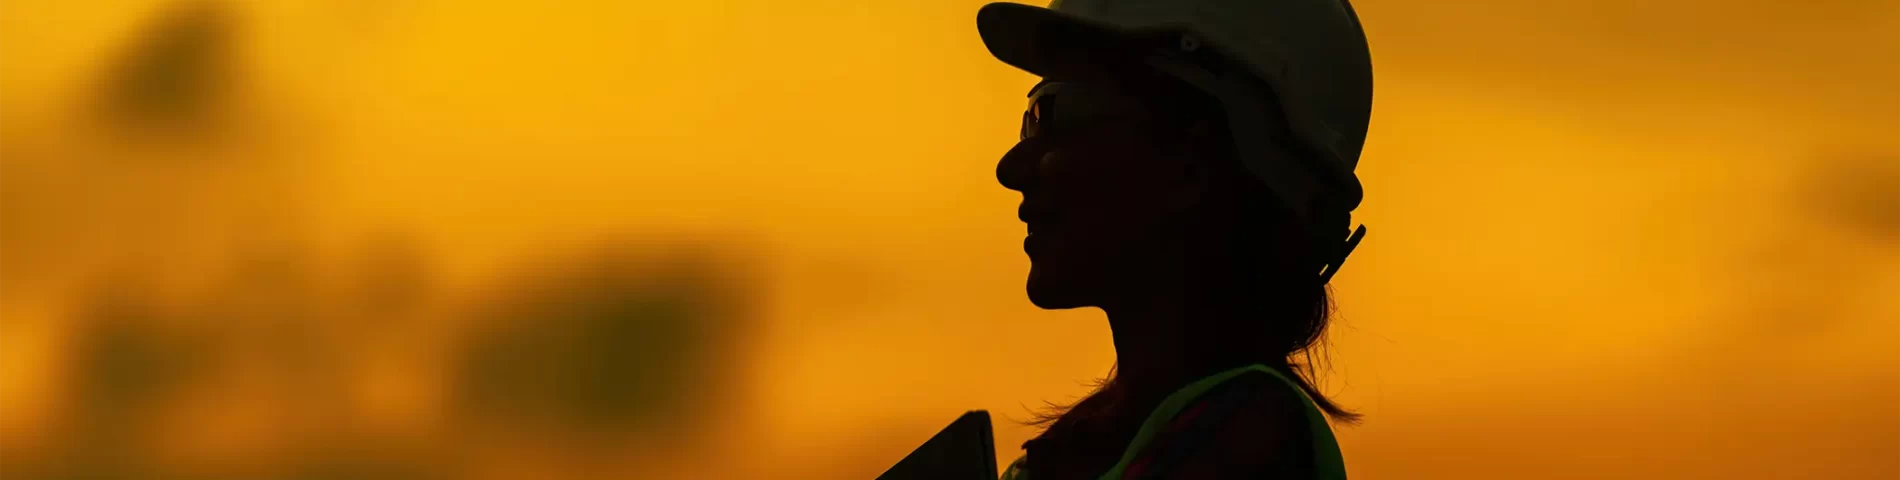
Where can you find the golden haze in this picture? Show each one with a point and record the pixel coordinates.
(762, 239)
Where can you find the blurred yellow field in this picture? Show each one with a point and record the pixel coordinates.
(753, 239)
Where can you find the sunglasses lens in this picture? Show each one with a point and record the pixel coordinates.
(1033, 119)
(1059, 109)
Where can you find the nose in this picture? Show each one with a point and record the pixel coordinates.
(1017, 170)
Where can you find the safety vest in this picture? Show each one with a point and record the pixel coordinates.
(1327, 462)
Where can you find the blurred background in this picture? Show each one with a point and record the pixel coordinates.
(727, 239)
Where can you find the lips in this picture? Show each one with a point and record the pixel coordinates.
(1038, 220)
(1035, 216)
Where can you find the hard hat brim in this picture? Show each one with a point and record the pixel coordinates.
(1039, 40)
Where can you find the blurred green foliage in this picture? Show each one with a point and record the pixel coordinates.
(606, 344)
(1861, 193)
(175, 73)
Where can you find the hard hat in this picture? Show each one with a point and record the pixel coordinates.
(1307, 57)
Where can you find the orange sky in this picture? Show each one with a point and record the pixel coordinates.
(1590, 256)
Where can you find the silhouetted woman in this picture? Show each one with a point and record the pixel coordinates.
(1187, 166)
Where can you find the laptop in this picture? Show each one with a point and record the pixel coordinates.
(965, 450)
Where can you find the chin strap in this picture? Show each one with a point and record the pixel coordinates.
(1352, 242)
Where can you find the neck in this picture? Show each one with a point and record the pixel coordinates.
(1163, 342)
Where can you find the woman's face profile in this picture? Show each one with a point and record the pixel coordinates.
(1101, 177)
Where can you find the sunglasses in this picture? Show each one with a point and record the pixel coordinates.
(1063, 108)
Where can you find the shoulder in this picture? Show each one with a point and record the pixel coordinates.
(1258, 413)
(1252, 423)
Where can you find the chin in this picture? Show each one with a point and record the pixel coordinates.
(1051, 293)
(1055, 304)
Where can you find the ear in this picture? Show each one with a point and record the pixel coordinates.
(1193, 182)
(1197, 172)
